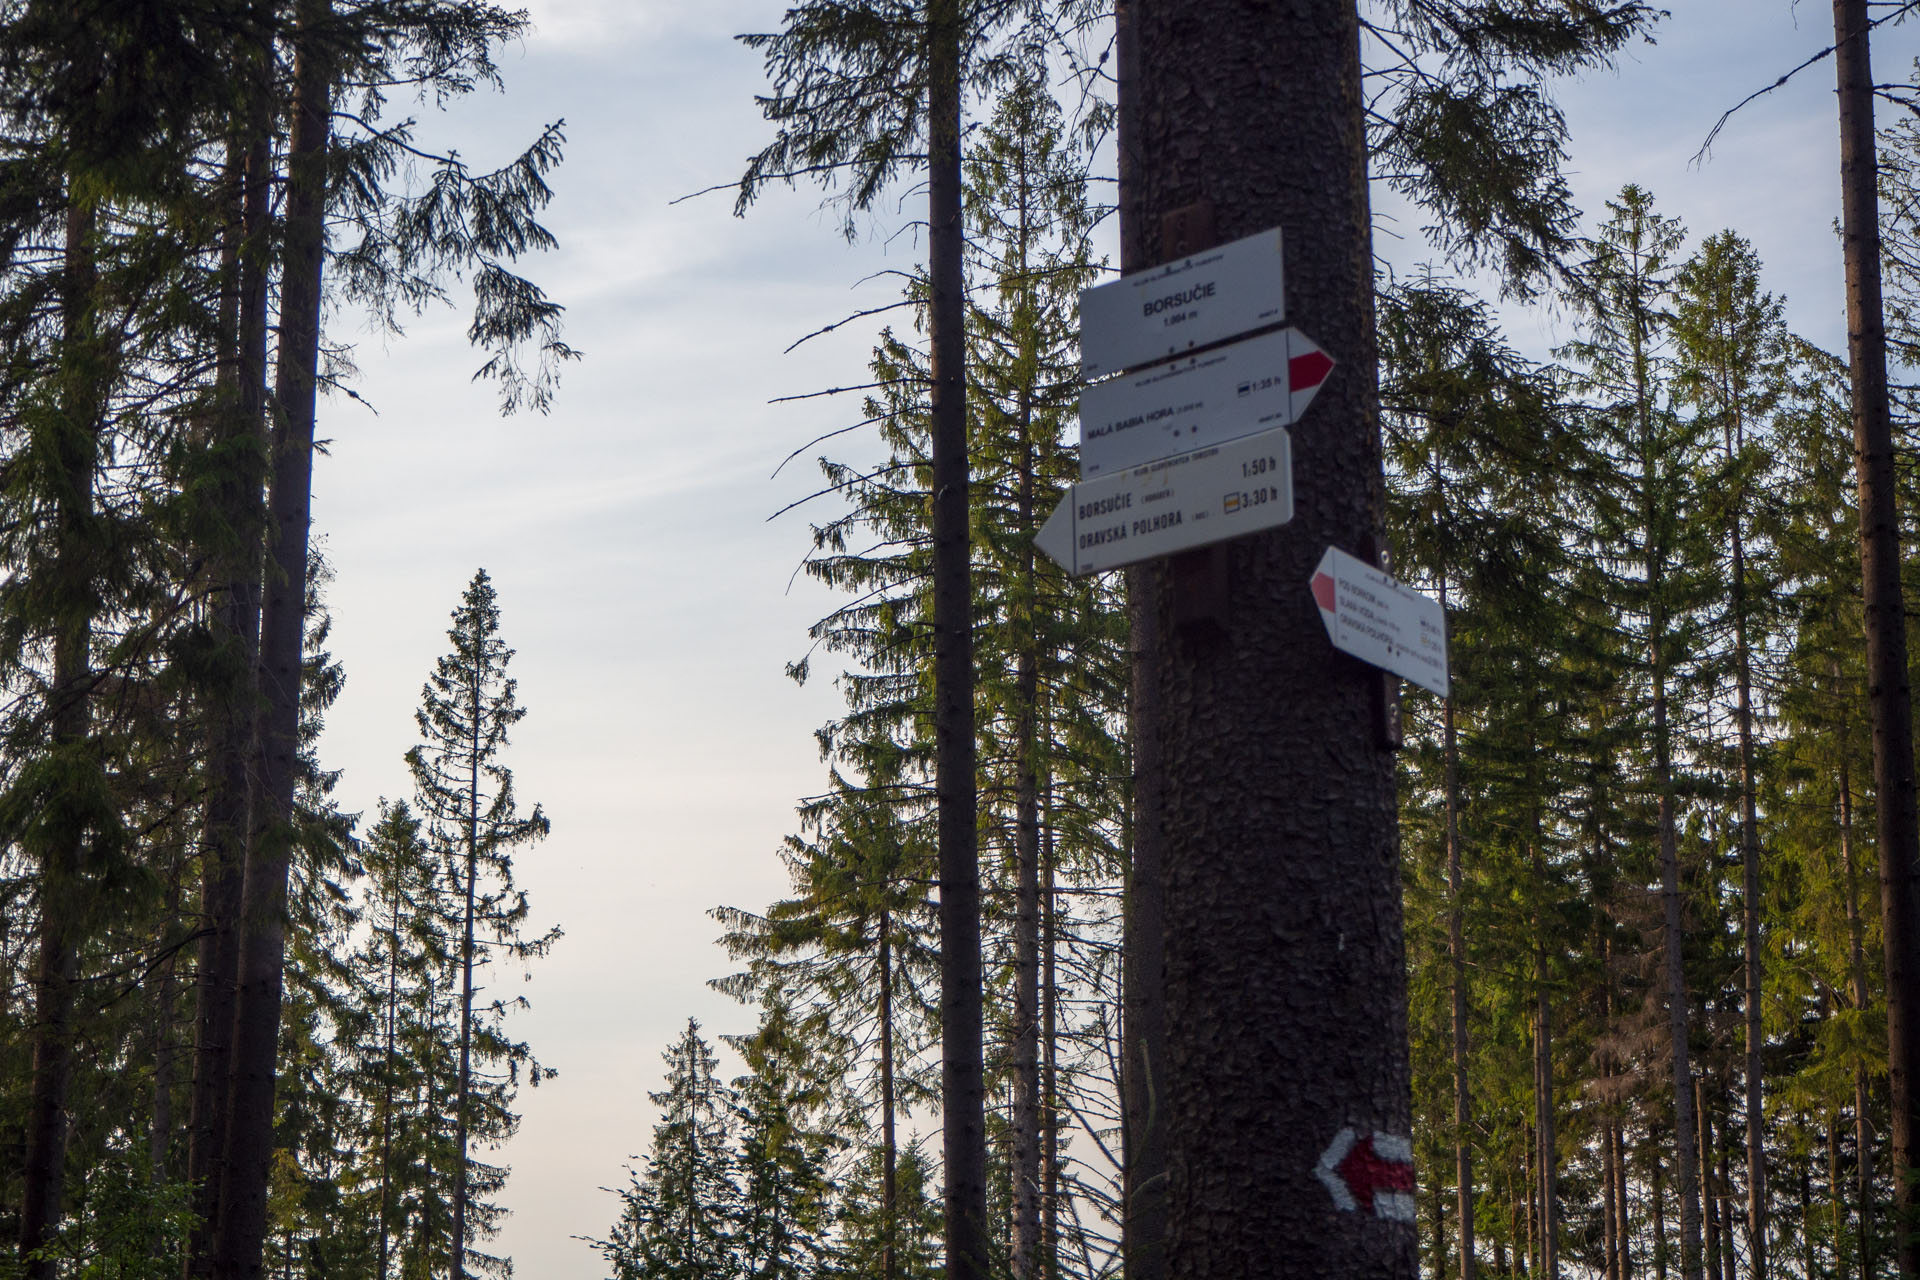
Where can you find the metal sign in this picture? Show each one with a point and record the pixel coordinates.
(1206, 298)
(1370, 615)
(1251, 386)
(1173, 505)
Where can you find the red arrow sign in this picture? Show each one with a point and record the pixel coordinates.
(1306, 372)
(1369, 1173)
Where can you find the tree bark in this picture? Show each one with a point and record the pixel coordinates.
(962, 1071)
(1888, 693)
(240, 1234)
(1285, 971)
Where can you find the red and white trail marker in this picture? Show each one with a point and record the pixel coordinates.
(1369, 1173)
(1371, 615)
(1198, 401)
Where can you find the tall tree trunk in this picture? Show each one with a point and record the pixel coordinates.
(1457, 963)
(463, 1081)
(63, 852)
(1686, 1155)
(1050, 1044)
(1709, 1193)
(161, 1034)
(1620, 1198)
(240, 1234)
(1285, 967)
(388, 1034)
(1660, 1244)
(1888, 694)
(1857, 971)
(1750, 921)
(1549, 1160)
(233, 568)
(1025, 1241)
(889, 1154)
(962, 1071)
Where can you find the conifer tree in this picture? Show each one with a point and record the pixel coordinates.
(784, 1200)
(1730, 340)
(474, 826)
(678, 1215)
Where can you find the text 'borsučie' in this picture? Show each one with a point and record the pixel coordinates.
(1184, 297)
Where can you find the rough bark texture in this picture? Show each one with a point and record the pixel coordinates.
(962, 1085)
(241, 1230)
(1285, 972)
(1888, 695)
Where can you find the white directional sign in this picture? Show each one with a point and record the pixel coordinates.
(1212, 296)
(1202, 400)
(1370, 615)
(1174, 504)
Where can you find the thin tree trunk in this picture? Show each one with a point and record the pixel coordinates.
(389, 1032)
(1549, 1161)
(1457, 962)
(1610, 1215)
(889, 1156)
(962, 1072)
(1620, 1198)
(1686, 1163)
(1659, 1211)
(1025, 1240)
(1050, 1043)
(463, 1086)
(1750, 923)
(63, 857)
(1857, 971)
(160, 1125)
(241, 1230)
(1888, 693)
(1709, 1196)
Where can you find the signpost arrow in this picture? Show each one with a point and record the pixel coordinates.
(1369, 1172)
(1207, 298)
(1255, 385)
(1370, 615)
(1174, 504)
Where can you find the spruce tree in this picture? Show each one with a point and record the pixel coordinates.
(678, 1215)
(474, 826)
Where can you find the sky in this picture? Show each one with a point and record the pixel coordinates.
(651, 592)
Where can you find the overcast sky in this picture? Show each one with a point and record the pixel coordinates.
(653, 603)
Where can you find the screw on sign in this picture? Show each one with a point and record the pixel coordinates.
(1369, 1173)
